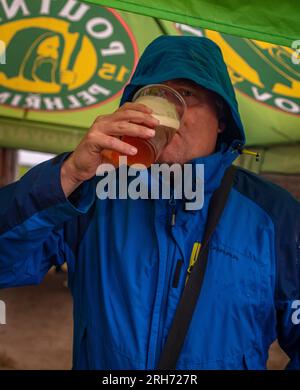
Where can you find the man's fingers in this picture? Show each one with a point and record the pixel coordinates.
(129, 115)
(117, 145)
(132, 119)
(126, 128)
(136, 106)
(137, 117)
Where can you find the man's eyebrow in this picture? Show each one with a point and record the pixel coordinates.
(184, 82)
(188, 84)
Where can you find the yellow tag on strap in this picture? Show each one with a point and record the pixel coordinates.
(193, 258)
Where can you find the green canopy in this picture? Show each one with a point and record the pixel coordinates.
(68, 62)
(266, 20)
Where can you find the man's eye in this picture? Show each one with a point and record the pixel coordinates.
(186, 93)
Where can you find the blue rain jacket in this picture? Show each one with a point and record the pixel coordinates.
(127, 265)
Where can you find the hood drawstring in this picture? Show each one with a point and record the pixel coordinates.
(242, 150)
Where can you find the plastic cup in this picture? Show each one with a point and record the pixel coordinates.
(168, 107)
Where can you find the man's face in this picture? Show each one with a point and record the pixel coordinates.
(198, 133)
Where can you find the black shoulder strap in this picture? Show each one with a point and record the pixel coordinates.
(193, 287)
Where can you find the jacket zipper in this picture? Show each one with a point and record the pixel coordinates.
(160, 345)
(172, 203)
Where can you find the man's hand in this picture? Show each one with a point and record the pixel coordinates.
(132, 119)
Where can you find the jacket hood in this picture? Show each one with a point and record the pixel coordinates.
(195, 58)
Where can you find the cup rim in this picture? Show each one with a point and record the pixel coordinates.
(177, 94)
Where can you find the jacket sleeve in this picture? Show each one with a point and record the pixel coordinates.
(287, 300)
(33, 211)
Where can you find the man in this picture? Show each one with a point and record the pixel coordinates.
(128, 266)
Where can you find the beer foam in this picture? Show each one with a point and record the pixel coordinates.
(163, 110)
(167, 121)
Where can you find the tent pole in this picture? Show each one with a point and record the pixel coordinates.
(8, 165)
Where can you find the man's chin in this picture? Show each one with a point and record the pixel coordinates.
(169, 157)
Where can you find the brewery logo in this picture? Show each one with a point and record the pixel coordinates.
(63, 55)
(262, 71)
